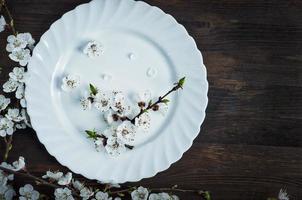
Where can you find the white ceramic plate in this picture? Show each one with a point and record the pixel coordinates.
(123, 27)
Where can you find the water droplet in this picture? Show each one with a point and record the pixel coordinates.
(131, 56)
(151, 72)
(106, 77)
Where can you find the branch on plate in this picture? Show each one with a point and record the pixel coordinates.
(162, 99)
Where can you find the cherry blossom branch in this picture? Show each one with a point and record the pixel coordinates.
(9, 15)
(3, 6)
(8, 146)
(175, 188)
(161, 99)
(39, 181)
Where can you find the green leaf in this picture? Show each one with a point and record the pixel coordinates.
(150, 103)
(207, 195)
(165, 101)
(92, 134)
(93, 89)
(181, 82)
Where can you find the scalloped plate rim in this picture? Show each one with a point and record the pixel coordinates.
(194, 132)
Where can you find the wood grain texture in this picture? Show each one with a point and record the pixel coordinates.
(250, 144)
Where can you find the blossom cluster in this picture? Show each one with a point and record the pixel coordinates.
(15, 117)
(118, 112)
(19, 47)
(142, 193)
(7, 192)
(67, 188)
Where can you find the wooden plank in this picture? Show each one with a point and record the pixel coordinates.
(250, 144)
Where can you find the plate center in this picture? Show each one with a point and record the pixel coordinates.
(131, 63)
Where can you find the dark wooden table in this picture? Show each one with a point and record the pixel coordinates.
(250, 144)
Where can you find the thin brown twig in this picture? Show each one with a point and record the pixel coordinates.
(177, 86)
(8, 146)
(10, 17)
(173, 189)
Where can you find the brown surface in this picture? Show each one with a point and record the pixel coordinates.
(250, 143)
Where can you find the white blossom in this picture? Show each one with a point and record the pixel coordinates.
(20, 92)
(143, 98)
(18, 74)
(66, 179)
(119, 103)
(6, 127)
(3, 102)
(85, 103)
(163, 108)
(126, 131)
(53, 175)
(23, 103)
(2, 24)
(102, 101)
(70, 82)
(140, 193)
(77, 185)
(7, 192)
(19, 164)
(28, 39)
(108, 117)
(99, 144)
(28, 193)
(15, 43)
(20, 125)
(63, 194)
(3, 178)
(143, 122)
(16, 166)
(86, 193)
(102, 196)
(93, 49)
(115, 146)
(21, 55)
(162, 196)
(25, 118)
(14, 115)
(10, 86)
(283, 195)
(110, 132)
(7, 166)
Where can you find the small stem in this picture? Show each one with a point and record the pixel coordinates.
(159, 189)
(175, 190)
(9, 15)
(8, 147)
(37, 179)
(28, 175)
(150, 106)
(121, 191)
